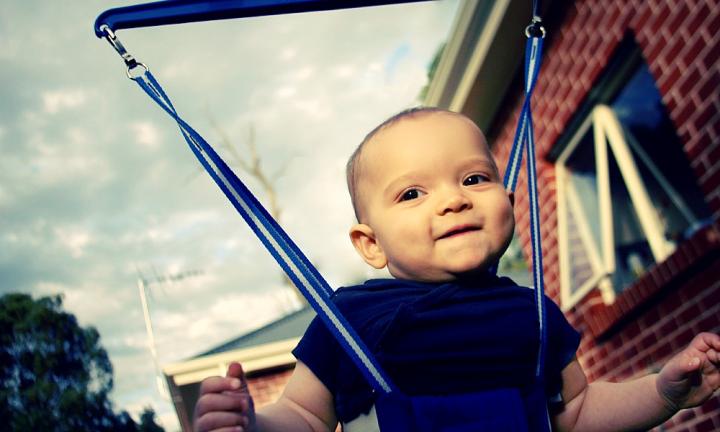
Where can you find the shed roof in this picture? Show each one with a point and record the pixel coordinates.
(290, 326)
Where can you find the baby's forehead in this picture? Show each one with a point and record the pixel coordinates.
(419, 119)
(386, 139)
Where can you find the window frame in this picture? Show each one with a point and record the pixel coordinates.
(608, 134)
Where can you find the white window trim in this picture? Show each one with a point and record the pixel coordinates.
(604, 116)
(596, 262)
(606, 129)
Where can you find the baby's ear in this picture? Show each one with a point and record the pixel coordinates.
(363, 238)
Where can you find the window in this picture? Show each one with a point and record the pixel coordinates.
(626, 193)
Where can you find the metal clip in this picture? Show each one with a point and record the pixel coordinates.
(535, 29)
(129, 60)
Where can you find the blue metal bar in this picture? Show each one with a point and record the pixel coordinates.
(184, 11)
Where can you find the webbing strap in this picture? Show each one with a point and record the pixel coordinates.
(293, 262)
(525, 141)
(536, 9)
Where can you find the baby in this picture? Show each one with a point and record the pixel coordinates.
(431, 208)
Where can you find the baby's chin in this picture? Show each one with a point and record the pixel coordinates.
(473, 273)
(422, 276)
(444, 276)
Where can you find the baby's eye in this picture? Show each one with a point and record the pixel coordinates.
(475, 179)
(410, 194)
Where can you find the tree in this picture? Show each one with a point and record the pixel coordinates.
(432, 68)
(147, 421)
(55, 375)
(251, 163)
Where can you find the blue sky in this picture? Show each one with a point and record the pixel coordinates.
(96, 184)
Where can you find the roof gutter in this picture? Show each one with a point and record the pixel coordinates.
(481, 58)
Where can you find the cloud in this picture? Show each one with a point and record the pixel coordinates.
(89, 301)
(343, 70)
(77, 136)
(313, 108)
(75, 240)
(146, 134)
(51, 165)
(285, 92)
(5, 201)
(304, 73)
(288, 54)
(9, 48)
(398, 55)
(58, 100)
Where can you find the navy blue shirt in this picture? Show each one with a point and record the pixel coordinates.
(435, 339)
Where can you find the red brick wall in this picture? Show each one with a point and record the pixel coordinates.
(267, 388)
(680, 40)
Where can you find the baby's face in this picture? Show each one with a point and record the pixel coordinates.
(433, 200)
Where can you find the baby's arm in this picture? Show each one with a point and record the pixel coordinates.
(305, 405)
(687, 380)
(225, 405)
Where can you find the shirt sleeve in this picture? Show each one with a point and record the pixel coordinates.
(324, 356)
(319, 351)
(563, 342)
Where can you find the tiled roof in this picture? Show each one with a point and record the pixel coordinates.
(290, 326)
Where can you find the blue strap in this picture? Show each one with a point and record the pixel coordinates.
(536, 8)
(525, 141)
(293, 262)
(299, 269)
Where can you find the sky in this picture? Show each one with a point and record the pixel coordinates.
(97, 188)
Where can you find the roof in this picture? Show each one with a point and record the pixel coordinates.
(483, 56)
(290, 326)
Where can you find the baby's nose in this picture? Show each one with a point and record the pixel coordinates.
(454, 202)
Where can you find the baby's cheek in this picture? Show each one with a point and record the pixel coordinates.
(508, 220)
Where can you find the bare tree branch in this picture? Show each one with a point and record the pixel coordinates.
(252, 165)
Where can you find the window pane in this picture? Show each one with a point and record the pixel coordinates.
(659, 156)
(581, 167)
(582, 211)
(632, 251)
(580, 267)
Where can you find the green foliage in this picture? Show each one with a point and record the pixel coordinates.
(513, 259)
(432, 68)
(147, 421)
(55, 375)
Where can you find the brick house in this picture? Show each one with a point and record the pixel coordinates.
(627, 122)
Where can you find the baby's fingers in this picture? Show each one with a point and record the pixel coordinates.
(714, 342)
(219, 384)
(221, 421)
(706, 341)
(714, 356)
(221, 402)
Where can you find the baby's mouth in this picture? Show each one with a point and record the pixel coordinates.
(459, 230)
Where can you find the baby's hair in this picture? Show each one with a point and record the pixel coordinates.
(351, 170)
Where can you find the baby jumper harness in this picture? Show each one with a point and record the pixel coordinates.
(499, 409)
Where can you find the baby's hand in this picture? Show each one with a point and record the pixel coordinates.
(691, 376)
(225, 404)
